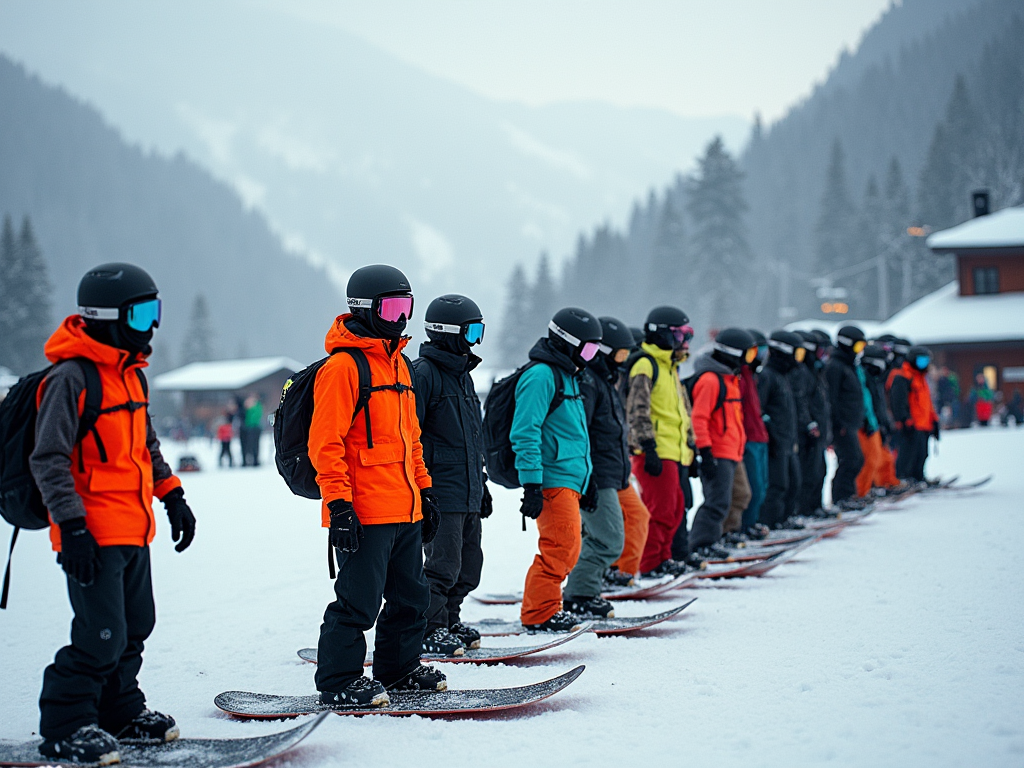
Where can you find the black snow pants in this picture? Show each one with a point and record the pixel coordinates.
(453, 565)
(812, 476)
(94, 681)
(681, 541)
(388, 565)
(707, 523)
(912, 456)
(850, 459)
(784, 486)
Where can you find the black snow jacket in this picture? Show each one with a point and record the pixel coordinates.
(451, 424)
(607, 425)
(876, 386)
(818, 402)
(778, 406)
(802, 382)
(846, 399)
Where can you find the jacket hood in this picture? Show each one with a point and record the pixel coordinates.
(70, 340)
(449, 360)
(340, 336)
(659, 354)
(706, 362)
(599, 368)
(544, 352)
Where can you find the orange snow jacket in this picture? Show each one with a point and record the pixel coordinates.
(383, 482)
(720, 428)
(918, 407)
(113, 466)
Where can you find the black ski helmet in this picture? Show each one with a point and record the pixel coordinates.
(638, 335)
(448, 319)
(783, 346)
(572, 329)
(112, 287)
(849, 337)
(367, 286)
(875, 357)
(758, 337)
(731, 346)
(808, 341)
(615, 334)
(901, 347)
(658, 324)
(919, 357)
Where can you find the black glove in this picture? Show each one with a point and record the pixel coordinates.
(652, 462)
(533, 500)
(908, 427)
(345, 526)
(486, 503)
(79, 552)
(588, 501)
(431, 515)
(183, 522)
(935, 430)
(708, 464)
(693, 470)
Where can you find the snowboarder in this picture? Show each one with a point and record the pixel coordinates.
(102, 531)
(755, 453)
(818, 434)
(775, 389)
(604, 532)
(875, 362)
(846, 405)
(869, 436)
(981, 399)
(718, 428)
(450, 420)
(552, 457)
(660, 434)
(377, 503)
(225, 434)
(913, 414)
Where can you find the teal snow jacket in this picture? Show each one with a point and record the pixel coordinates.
(554, 450)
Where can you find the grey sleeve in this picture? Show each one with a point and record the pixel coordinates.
(56, 430)
(161, 470)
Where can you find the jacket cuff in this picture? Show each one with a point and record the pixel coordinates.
(534, 476)
(424, 483)
(165, 486)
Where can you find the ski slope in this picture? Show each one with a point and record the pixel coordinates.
(899, 643)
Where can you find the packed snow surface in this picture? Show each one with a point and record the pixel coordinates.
(899, 643)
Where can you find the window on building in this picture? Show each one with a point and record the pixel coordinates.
(986, 280)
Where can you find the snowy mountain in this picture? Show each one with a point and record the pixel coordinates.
(354, 156)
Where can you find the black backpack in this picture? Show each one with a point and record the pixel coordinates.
(21, 503)
(626, 379)
(295, 414)
(691, 381)
(499, 410)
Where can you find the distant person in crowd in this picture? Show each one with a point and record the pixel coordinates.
(779, 404)
(947, 399)
(252, 431)
(846, 405)
(875, 364)
(755, 454)
(1015, 409)
(102, 530)
(913, 414)
(818, 432)
(982, 400)
(225, 434)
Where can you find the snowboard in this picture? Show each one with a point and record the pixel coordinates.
(483, 655)
(956, 485)
(618, 625)
(778, 538)
(747, 555)
(429, 703)
(209, 753)
(761, 567)
(647, 588)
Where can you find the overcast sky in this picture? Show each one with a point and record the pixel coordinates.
(694, 57)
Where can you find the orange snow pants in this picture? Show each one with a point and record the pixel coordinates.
(560, 540)
(874, 459)
(637, 519)
(885, 476)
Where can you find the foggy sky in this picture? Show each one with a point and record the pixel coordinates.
(693, 57)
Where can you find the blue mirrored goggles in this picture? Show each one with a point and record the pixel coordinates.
(472, 332)
(144, 315)
(923, 361)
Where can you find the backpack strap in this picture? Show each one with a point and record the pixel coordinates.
(720, 402)
(366, 387)
(7, 572)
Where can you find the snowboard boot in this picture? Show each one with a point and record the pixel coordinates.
(589, 607)
(560, 622)
(149, 727)
(672, 568)
(469, 636)
(712, 552)
(758, 532)
(614, 578)
(89, 744)
(853, 504)
(736, 539)
(361, 692)
(441, 642)
(790, 524)
(424, 678)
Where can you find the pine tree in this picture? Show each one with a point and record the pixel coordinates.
(668, 278)
(865, 287)
(898, 241)
(198, 344)
(8, 268)
(543, 298)
(25, 299)
(835, 232)
(515, 338)
(721, 258)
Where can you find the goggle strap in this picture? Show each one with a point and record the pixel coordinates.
(99, 313)
(443, 327)
(360, 303)
(781, 346)
(562, 334)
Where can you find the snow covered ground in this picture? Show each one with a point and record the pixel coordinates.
(900, 642)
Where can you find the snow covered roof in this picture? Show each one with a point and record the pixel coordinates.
(946, 317)
(223, 375)
(1002, 229)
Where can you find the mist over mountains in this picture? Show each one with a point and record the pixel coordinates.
(354, 156)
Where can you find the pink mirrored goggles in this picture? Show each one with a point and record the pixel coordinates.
(588, 350)
(392, 308)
